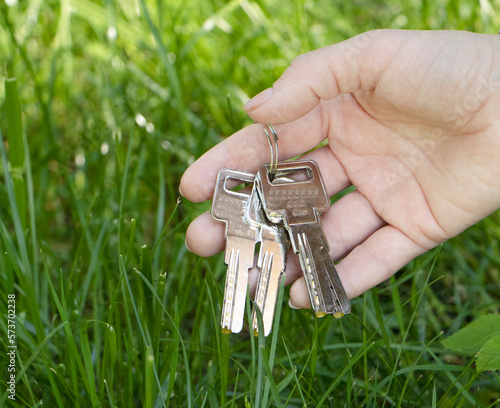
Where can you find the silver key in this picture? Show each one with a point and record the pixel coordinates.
(229, 206)
(272, 261)
(298, 205)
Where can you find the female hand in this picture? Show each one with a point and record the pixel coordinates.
(413, 122)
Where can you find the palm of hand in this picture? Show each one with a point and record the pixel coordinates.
(422, 146)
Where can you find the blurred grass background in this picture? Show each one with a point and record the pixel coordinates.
(116, 99)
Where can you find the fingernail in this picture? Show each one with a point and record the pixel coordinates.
(258, 100)
(292, 305)
(180, 191)
(187, 246)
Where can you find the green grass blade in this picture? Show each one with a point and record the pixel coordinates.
(274, 337)
(211, 376)
(21, 374)
(169, 67)
(16, 146)
(32, 218)
(174, 352)
(24, 281)
(74, 355)
(296, 379)
(181, 342)
(133, 224)
(149, 378)
(160, 212)
(124, 186)
(108, 393)
(16, 216)
(341, 374)
(147, 306)
(89, 366)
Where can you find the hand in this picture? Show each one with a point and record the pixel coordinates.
(412, 121)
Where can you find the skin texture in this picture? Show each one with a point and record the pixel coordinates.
(412, 121)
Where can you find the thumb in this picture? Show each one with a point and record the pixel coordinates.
(346, 67)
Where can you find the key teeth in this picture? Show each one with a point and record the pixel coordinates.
(261, 294)
(229, 292)
(305, 257)
(265, 274)
(319, 304)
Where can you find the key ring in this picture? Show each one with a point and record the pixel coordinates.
(273, 144)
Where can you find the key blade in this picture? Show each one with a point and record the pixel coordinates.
(263, 292)
(230, 207)
(342, 303)
(240, 258)
(303, 249)
(272, 261)
(325, 289)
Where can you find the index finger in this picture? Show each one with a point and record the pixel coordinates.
(247, 149)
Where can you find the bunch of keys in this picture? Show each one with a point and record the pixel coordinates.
(282, 208)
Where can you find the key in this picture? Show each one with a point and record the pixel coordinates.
(298, 204)
(271, 261)
(229, 207)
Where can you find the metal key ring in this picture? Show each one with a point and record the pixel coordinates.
(273, 144)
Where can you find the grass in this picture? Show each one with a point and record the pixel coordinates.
(117, 99)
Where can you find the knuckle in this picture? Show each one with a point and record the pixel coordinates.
(299, 61)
